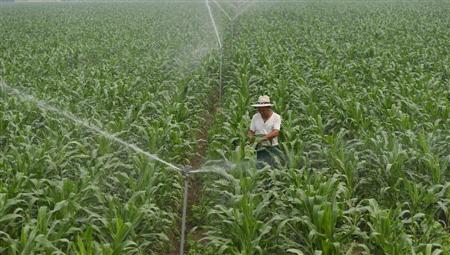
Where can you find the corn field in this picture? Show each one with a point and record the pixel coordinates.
(363, 89)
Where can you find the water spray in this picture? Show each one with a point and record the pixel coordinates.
(223, 10)
(220, 168)
(213, 21)
(214, 24)
(245, 6)
(81, 122)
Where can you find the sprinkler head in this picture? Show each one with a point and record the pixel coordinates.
(185, 170)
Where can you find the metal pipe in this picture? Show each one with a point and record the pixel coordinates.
(183, 217)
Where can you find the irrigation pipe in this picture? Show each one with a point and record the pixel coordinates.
(184, 212)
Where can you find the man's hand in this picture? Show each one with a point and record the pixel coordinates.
(271, 135)
(253, 138)
(262, 138)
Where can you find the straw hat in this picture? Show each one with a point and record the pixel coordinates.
(263, 101)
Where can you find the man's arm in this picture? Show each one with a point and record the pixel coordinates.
(271, 135)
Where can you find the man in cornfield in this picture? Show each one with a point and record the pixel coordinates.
(264, 130)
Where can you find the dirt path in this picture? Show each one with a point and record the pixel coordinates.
(201, 150)
(195, 184)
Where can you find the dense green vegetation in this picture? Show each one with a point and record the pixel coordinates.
(134, 70)
(363, 89)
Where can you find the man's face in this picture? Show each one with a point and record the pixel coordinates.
(264, 111)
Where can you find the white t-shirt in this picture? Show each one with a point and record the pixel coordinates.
(259, 127)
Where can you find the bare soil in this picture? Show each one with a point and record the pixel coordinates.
(195, 182)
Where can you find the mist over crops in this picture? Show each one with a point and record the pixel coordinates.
(90, 89)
